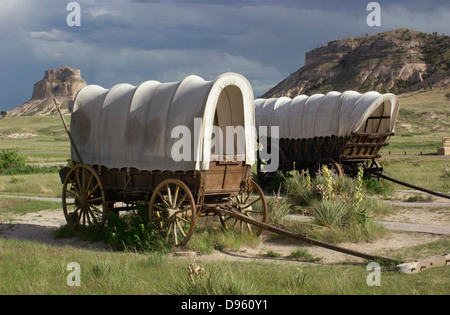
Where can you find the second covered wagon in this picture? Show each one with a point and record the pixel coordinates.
(340, 130)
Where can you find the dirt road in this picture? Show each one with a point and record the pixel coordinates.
(424, 222)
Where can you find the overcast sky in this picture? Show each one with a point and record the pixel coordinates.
(132, 41)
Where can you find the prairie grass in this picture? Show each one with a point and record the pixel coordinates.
(46, 185)
(13, 206)
(42, 269)
(425, 172)
(41, 138)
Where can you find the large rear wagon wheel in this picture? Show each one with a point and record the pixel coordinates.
(173, 211)
(251, 203)
(83, 198)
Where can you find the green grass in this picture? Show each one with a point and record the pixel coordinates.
(42, 269)
(421, 171)
(45, 185)
(49, 142)
(423, 121)
(23, 206)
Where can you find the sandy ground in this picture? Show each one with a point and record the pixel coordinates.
(434, 215)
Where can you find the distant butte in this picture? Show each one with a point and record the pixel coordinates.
(61, 83)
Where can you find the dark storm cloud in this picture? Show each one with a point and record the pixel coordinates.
(136, 40)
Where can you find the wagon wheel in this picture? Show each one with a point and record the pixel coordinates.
(83, 198)
(173, 211)
(251, 203)
(331, 164)
(371, 165)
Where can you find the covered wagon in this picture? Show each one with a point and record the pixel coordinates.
(340, 130)
(161, 142)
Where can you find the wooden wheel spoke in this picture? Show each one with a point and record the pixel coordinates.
(72, 195)
(180, 228)
(178, 205)
(169, 195)
(73, 213)
(94, 217)
(183, 219)
(248, 195)
(252, 203)
(74, 186)
(93, 190)
(94, 199)
(88, 190)
(158, 207)
(163, 199)
(175, 235)
(175, 197)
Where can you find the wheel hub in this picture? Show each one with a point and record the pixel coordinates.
(168, 213)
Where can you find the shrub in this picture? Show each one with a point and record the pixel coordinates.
(279, 208)
(339, 205)
(329, 213)
(299, 188)
(132, 231)
(11, 160)
(13, 163)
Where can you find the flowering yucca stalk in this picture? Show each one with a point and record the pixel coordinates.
(326, 173)
(307, 179)
(363, 214)
(358, 194)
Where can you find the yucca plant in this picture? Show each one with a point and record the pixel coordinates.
(330, 213)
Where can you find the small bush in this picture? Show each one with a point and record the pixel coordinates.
(132, 231)
(14, 163)
(329, 213)
(339, 205)
(299, 188)
(278, 209)
(304, 255)
(11, 160)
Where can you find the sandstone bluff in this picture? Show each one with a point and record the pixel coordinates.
(61, 83)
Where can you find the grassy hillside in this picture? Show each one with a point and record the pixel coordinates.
(423, 120)
(42, 138)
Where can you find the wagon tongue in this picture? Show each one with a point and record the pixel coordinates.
(306, 239)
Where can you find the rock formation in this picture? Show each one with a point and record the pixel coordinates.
(62, 84)
(397, 61)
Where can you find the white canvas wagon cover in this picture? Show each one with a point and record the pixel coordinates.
(131, 126)
(332, 114)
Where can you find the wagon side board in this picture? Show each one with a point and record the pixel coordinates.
(224, 178)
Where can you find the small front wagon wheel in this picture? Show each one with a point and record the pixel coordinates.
(173, 211)
(83, 198)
